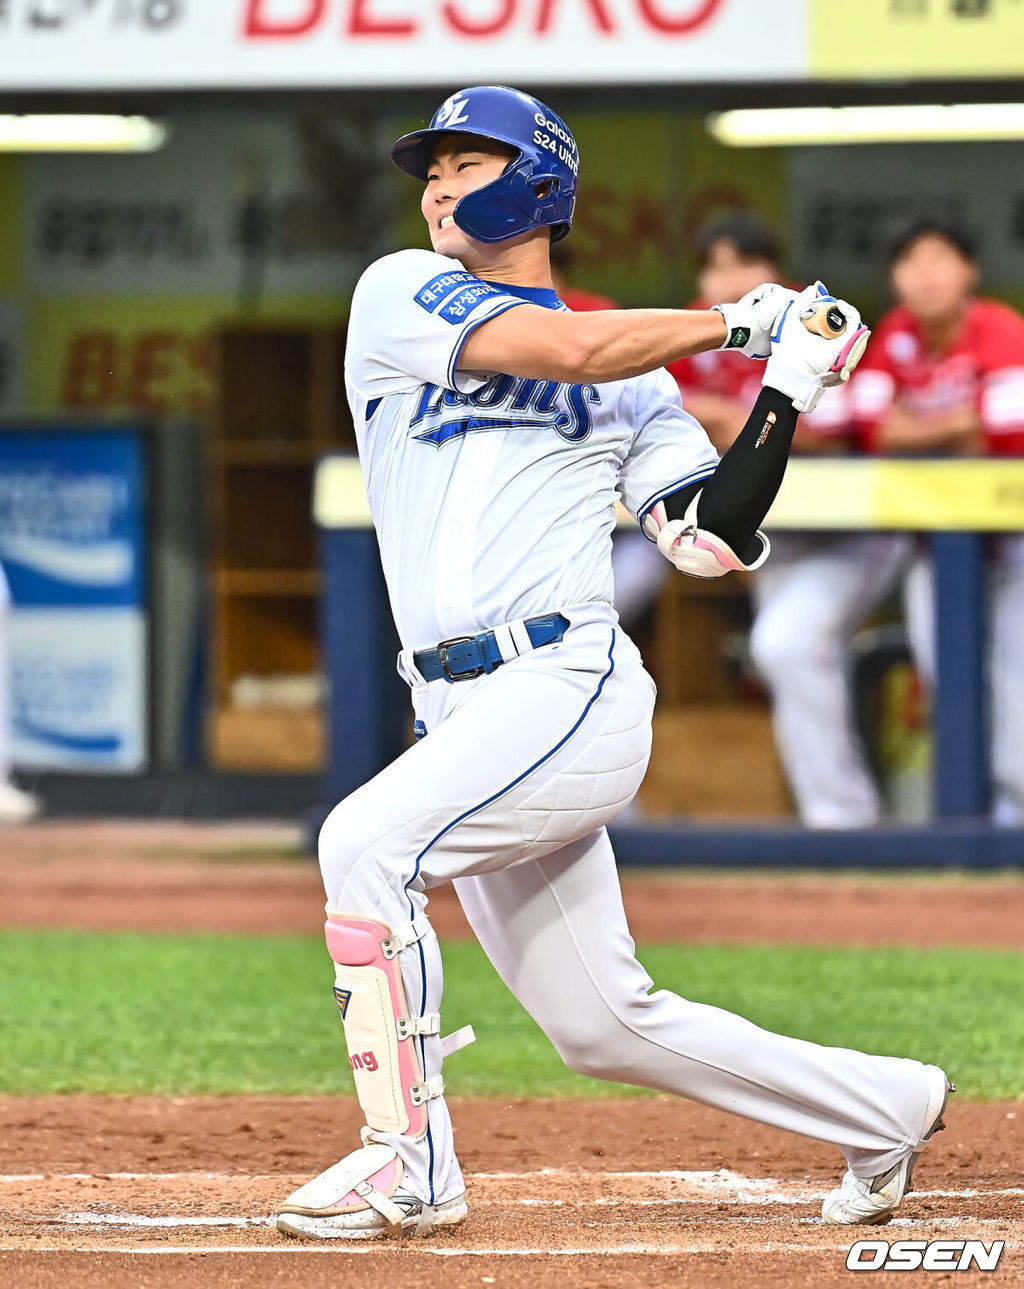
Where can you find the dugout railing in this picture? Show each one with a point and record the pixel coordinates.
(956, 504)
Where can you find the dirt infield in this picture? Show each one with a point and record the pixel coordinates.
(103, 1191)
(654, 1193)
(178, 877)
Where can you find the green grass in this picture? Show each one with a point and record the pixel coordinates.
(188, 1014)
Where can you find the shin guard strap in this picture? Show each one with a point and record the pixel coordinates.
(387, 1208)
(427, 1090)
(403, 936)
(457, 1040)
(410, 1026)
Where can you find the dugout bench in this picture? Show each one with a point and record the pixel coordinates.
(956, 503)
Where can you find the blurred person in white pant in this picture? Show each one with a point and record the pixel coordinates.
(16, 807)
(944, 376)
(817, 588)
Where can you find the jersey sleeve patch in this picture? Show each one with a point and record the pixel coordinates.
(460, 306)
(454, 296)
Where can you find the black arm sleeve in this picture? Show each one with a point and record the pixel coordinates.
(736, 498)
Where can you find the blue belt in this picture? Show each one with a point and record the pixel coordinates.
(465, 657)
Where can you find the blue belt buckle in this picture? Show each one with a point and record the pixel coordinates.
(442, 657)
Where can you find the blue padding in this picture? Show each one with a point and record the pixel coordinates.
(960, 706)
(368, 706)
(954, 845)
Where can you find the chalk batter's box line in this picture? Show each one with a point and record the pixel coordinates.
(715, 1184)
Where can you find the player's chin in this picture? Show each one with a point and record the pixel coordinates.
(451, 241)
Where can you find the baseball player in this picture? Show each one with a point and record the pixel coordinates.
(817, 588)
(494, 427)
(946, 377)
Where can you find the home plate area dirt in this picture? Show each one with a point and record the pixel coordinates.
(144, 1191)
(104, 1191)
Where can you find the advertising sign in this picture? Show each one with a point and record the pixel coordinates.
(239, 203)
(73, 546)
(924, 38)
(151, 44)
(93, 44)
(848, 203)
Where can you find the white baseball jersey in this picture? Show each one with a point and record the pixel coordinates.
(494, 496)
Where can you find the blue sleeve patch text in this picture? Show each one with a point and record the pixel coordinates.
(440, 288)
(460, 306)
(453, 296)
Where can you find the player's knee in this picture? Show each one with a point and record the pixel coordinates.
(593, 1049)
(780, 645)
(773, 646)
(579, 1056)
(343, 845)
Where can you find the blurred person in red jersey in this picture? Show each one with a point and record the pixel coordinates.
(734, 255)
(817, 588)
(944, 375)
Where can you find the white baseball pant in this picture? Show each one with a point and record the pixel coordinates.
(508, 795)
(810, 597)
(1006, 679)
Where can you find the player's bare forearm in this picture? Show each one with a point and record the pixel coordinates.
(589, 348)
(956, 429)
(619, 344)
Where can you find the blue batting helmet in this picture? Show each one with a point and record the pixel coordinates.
(538, 186)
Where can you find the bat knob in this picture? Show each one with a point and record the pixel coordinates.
(826, 320)
(836, 319)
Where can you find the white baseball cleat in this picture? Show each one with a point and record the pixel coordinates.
(361, 1198)
(869, 1201)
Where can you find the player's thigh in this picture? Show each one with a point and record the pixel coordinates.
(555, 930)
(544, 749)
(567, 737)
(818, 590)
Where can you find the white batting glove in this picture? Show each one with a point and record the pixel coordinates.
(749, 322)
(816, 343)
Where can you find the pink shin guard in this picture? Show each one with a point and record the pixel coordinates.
(380, 1034)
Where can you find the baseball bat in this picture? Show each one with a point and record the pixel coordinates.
(825, 319)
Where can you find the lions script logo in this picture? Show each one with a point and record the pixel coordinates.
(505, 403)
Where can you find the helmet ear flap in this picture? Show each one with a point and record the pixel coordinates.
(545, 189)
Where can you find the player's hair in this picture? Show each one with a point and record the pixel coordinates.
(752, 237)
(932, 226)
